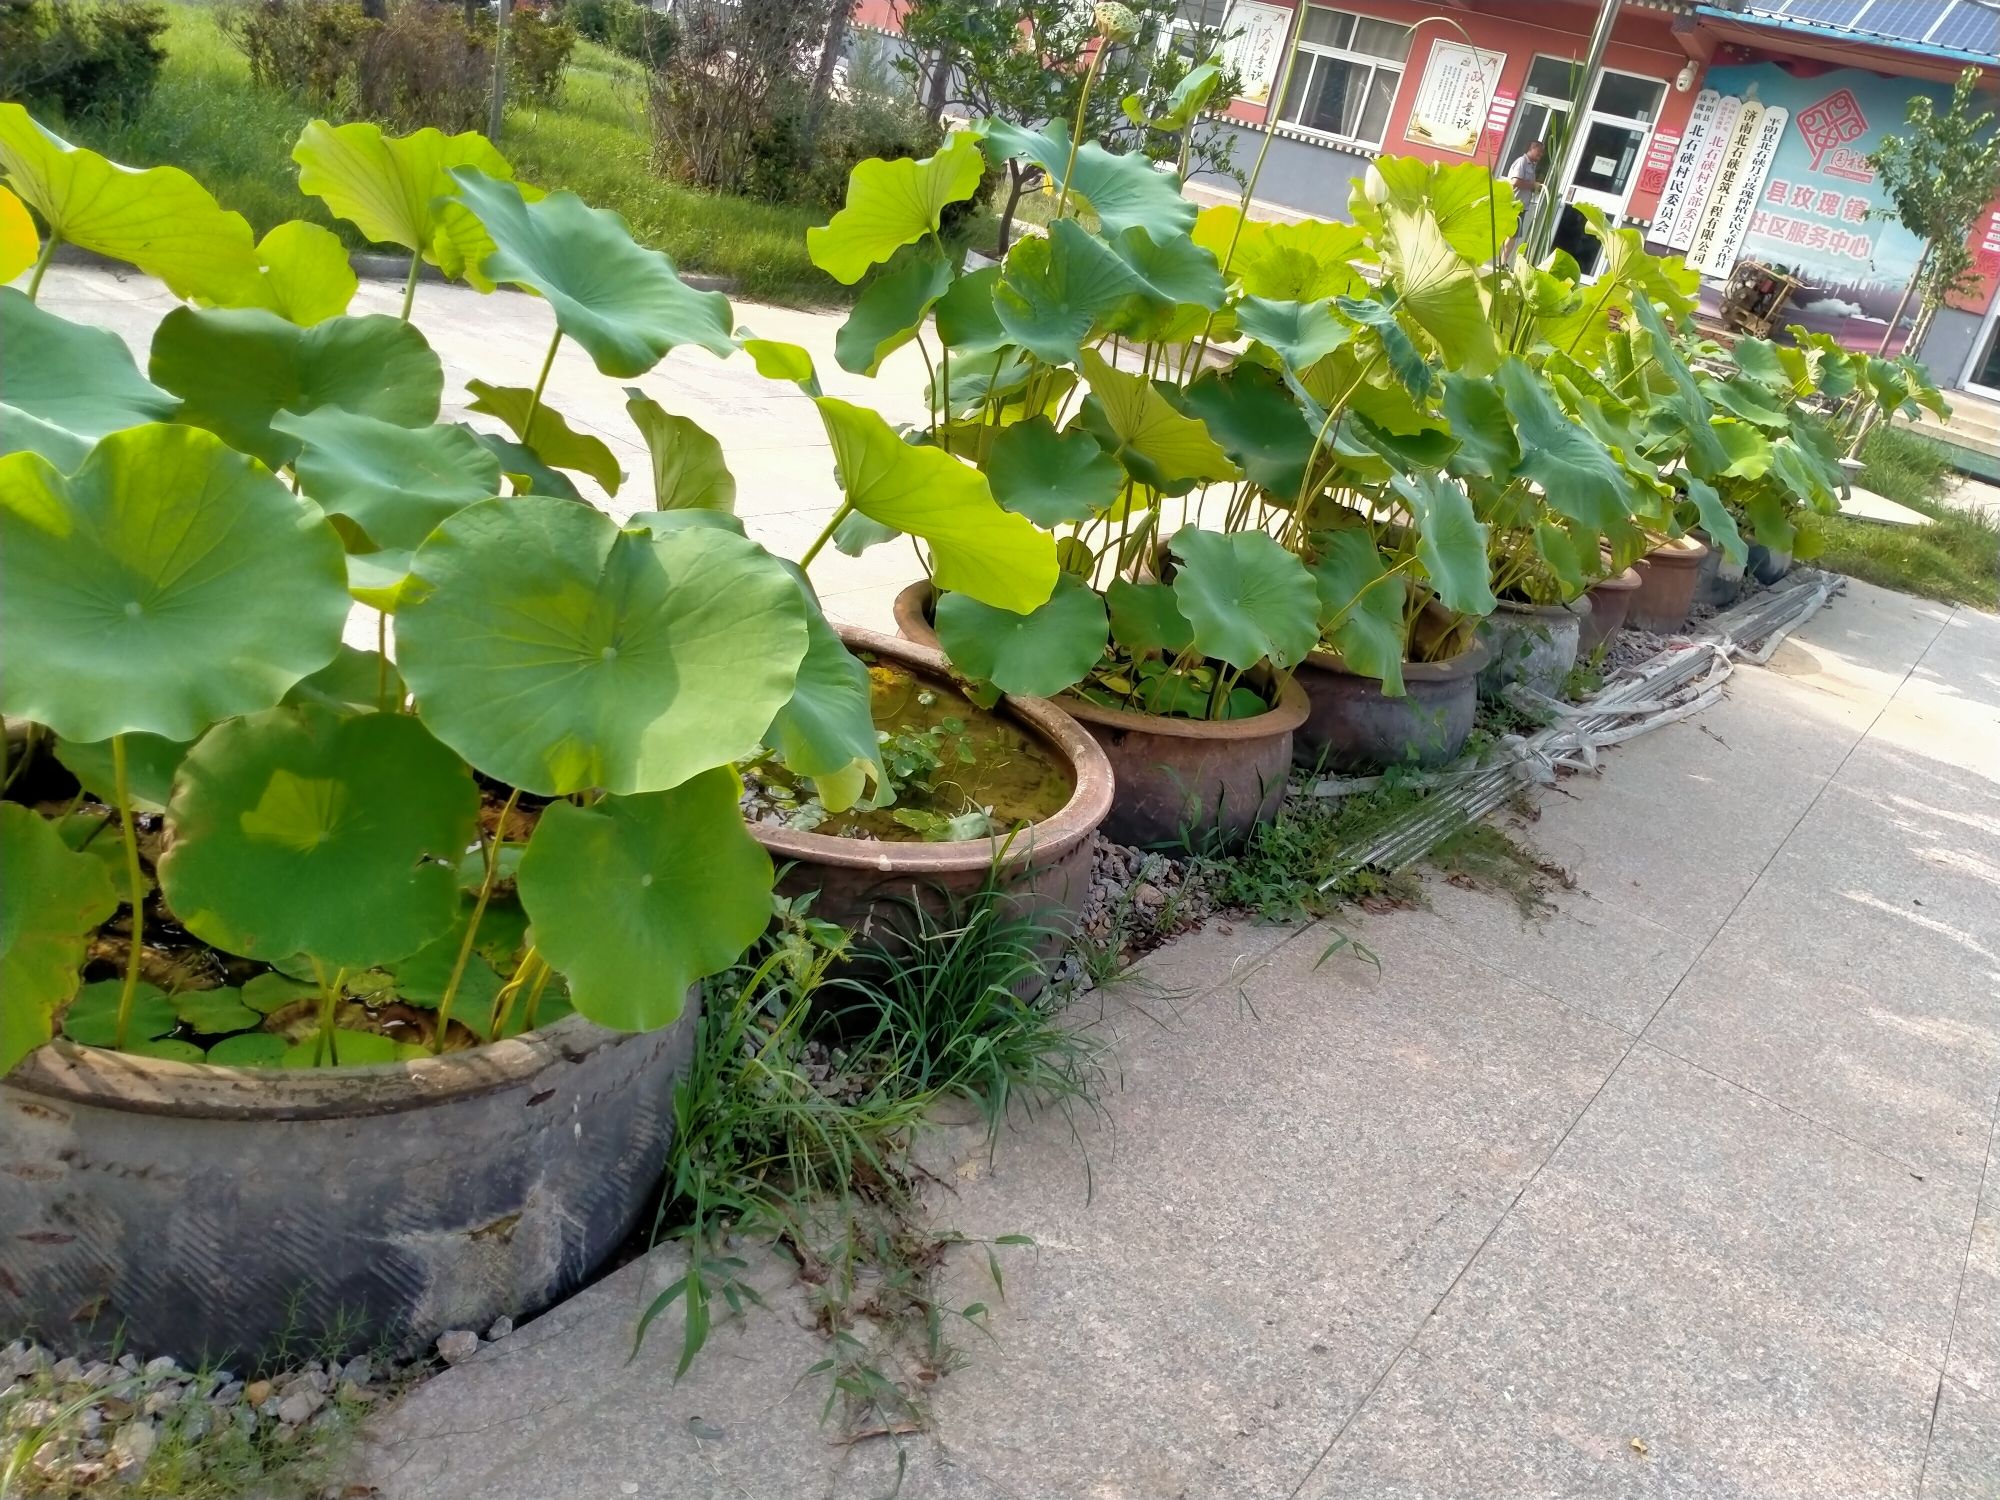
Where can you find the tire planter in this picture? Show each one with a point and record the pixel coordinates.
(1532, 644)
(866, 884)
(1766, 565)
(217, 1213)
(1610, 601)
(1180, 783)
(1353, 725)
(1718, 581)
(1667, 577)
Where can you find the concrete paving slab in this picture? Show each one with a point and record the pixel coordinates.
(1972, 494)
(1865, 505)
(1963, 1462)
(1861, 646)
(1597, 958)
(1975, 1345)
(1589, 1352)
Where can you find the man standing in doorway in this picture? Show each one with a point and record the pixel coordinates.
(1525, 177)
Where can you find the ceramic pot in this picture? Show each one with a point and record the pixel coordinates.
(1353, 725)
(1667, 577)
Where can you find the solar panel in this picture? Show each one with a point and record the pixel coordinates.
(1972, 28)
(1906, 20)
(1843, 13)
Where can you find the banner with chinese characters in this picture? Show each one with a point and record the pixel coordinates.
(1452, 102)
(1677, 192)
(1983, 244)
(1815, 211)
(1715, 144)
(1739, 207)
(1255, 46)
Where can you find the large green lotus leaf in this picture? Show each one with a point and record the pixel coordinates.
(1248, 599)
(1579, 476)
(1472, 218)
(1748, 450)
(1245, 407)
(1361, 606)
(547, 433)
(1037, 654)
(1189, 98)
(624, 303)
(1716, 519)
(160, 220)
(20, 241)
(1302, 262)
(1770, 520)
(1122, 190)
(1425, 447)
(1056, 289)
(1479, 421)
(167, 584)
(150, 763)
(1760, 359)
(303, 830)
(1684, 402)
(1451, 542)
(214, 1012)
(890, 310)
(524, 470)
(1175, 276)
(49, 902)
(1405, 360)
(237, 368)
(63, 386)
(392, 188)
(249, 1049)
(636, 898)
(304, 275)
(395, 483)
(967, 321)
(1051, 477)
(1146, 617)
(1156, 444)
(1302, 333)
(354, 680)
(558, 652)
(1750, 402)
(891, 204)
(977, 548)
(689, 471)
(1439, 288)
(1798, 473)
(826, 730)
(777, 360)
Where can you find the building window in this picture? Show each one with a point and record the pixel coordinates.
(1346, 75)
(1195, 30)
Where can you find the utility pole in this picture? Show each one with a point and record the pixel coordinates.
(1564, 164)
(496, 112)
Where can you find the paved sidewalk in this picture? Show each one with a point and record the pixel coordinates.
(1688, 1190)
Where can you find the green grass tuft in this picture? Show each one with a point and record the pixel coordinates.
(1954, 560)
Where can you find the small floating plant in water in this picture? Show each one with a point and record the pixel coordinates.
(953, 771)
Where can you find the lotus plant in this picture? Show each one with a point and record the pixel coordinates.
(531, 803)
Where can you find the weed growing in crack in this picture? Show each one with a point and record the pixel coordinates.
(1484, 856)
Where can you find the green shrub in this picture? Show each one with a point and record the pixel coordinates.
(308, 48)
(74, 59)
(425, 66)
(636, 31)
(788, 163)
(539, 42)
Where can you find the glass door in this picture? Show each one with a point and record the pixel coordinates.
(1616, 129)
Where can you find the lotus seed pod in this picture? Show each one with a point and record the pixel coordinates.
(1115, 22)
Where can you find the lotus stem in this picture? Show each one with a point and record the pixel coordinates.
(410, 286)
(1076, 135)
(325, 1053)
(41, 267)
(472, 927)
(535, 399)
(535, 997)
(846, 509)
(382, 661)
(530, 966)
(134, 887)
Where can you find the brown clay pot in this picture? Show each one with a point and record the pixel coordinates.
(866, 885)
(1610, 600)
(1179, 782)
(1193, 783)
(1667, 578)
(1354, 726)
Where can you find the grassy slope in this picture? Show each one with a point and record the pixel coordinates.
(1956, 559)
(209, 118)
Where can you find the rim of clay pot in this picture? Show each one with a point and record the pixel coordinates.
(1292, 708)
(1628, 579)
(1678, 552)
(213, 1091)
(1044, 841)
(1467, 663)
(1521, 607)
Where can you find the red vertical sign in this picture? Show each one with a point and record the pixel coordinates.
(1984, 244)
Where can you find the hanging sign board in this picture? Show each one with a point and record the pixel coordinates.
(1728, 177)
(1742, 203)
(1455, 97)
(1678, 188)
(1721, 137)
(1256, 46)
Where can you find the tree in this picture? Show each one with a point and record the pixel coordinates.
(1941, 174)
(1024, 61)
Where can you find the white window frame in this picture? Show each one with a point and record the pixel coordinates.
(1370, 61)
